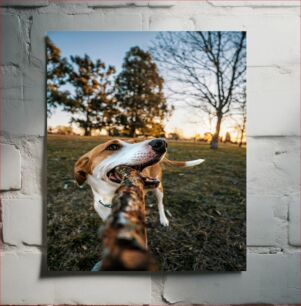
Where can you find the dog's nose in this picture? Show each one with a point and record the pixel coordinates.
(159, 145)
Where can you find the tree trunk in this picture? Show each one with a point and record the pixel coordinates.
(133, 131)
(240, 143)
(241, 138)
(242, 132)
(87, 131)
(215, 138)
(87, 128)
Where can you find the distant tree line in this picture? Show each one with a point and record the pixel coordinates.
(207, 70)
(131, 103)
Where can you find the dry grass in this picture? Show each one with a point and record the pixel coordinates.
(206, 204)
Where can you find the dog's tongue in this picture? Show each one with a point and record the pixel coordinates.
(112, 176)
(115, 176)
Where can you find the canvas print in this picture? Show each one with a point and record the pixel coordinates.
(146, 151)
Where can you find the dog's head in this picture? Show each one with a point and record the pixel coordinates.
(104, 158)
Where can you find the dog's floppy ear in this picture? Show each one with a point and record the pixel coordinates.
(81, 169)
(130, 140)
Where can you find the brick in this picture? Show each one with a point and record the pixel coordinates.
(22, 279)
(272, 34)
(16, 226)
(286, 160)
(117, 3)
(294, 220)
(267, 214)
(157, 287)
(273, 92)
(33, 166)
(257, 4)
(260, 220)
(10, 167)
(12, 45)
(23, 112)
(22, 90)
(11, 84)
(12, 96)
(34, 113)
(162, 3)
(32, 151)
(268, 279)
(124, 4)
(22, 283)
(24, 3)
(273, 165)
(124, 21)
(214, 21)
(170, 23)
(66, 7)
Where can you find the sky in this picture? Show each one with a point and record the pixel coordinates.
(111, 47)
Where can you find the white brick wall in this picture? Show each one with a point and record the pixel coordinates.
(273, 151)
(270, 278)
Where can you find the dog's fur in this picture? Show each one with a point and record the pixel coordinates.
(94, 168)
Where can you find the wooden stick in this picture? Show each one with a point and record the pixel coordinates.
(125, 237)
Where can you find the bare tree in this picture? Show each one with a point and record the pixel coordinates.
(207, 69)
(242, 125)
(240, 115)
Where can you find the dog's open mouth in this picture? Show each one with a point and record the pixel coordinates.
(115, 177)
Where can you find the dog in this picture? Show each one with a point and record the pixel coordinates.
(96, 168)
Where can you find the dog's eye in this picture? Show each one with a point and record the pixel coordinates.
(113, 147)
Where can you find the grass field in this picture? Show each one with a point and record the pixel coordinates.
(206, 207)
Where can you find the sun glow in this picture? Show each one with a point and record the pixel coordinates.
(58, 123)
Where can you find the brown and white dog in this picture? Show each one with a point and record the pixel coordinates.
(96, 167)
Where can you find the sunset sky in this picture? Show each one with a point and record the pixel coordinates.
(111, 47)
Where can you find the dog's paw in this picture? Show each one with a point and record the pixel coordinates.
(164, 221)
